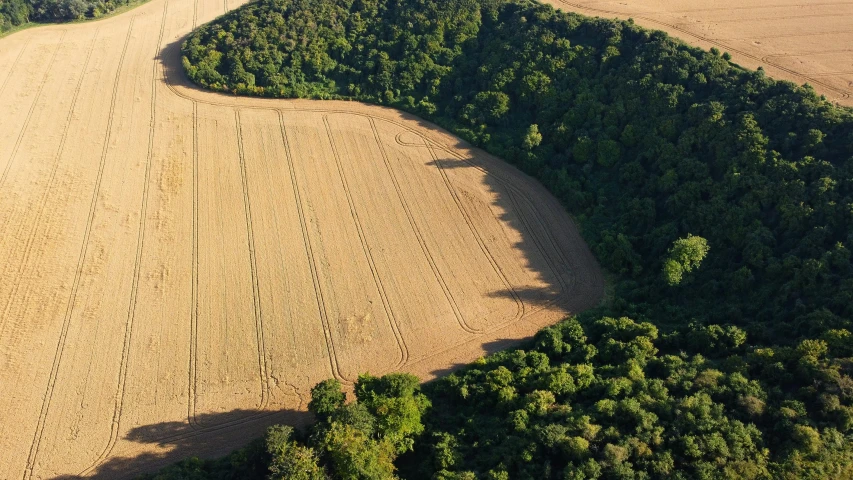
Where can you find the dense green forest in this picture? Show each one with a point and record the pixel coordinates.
(719, 200)
(14, 13)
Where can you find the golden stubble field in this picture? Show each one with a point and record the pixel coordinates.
(803, 41)
(178, 268)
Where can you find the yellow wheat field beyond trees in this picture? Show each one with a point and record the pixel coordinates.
(178, 268)
(802, 41)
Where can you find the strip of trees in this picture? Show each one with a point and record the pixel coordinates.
(720, 200)
(14, 13)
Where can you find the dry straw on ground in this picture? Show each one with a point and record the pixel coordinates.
(178, 267)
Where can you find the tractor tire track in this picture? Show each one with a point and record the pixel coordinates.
(485, 249)
(392, 319)
(192, 398)
(760, 19)
(510, 189)
(28, 247)
(48, 397)
(259, 319)
(460, 319)
(833, 74)
(756, 7)
(312, 261)
(565, 287)
(263, 368)
(14, 64)
(513, 191)
(595, 280)
(30, 114)
(140, 244)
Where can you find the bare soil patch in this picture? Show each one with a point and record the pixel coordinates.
(180, 267)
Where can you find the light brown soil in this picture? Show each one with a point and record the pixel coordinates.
(803, 41)
(179, 267)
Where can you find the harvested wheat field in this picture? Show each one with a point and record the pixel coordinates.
(803, 41)
(178, 268)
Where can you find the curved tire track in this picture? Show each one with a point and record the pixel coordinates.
(392, 319)
(485, 249)
(416, 229)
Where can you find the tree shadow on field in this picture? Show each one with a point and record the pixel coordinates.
(170, 442)
(556, 254)
(170, 60)
(489, 348)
